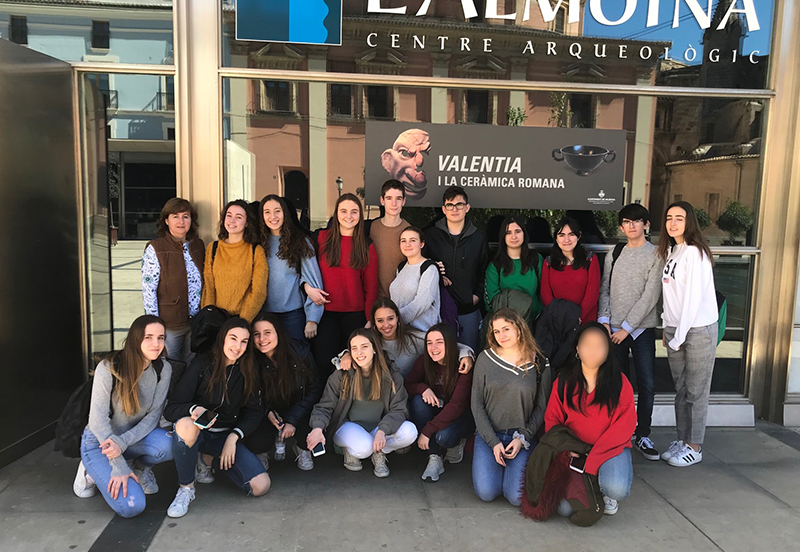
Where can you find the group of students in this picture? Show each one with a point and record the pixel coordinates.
(344, 340)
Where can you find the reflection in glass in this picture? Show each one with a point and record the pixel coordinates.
(673, 45)
(92, 30)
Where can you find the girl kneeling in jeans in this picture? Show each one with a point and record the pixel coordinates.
(595, 401)
(508, 405)
(439, 402)
(365, 407)
(225, 384)
(123, 441)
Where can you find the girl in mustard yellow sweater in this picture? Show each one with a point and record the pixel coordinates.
(235, 275)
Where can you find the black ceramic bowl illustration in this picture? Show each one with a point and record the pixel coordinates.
(584, 160)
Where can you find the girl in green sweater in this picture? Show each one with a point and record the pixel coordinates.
(515, 266)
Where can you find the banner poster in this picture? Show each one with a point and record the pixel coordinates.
(292, 21)
(500, 167)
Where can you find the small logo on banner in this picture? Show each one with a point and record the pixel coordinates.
(292, 21)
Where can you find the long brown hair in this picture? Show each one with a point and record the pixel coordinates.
(293, 245)
(279, 380)
(450, 367)
(128, 365)
(332, 248)
(250, 229)
(173, 207)
(529, 350)
(401, 334)
(219, 362)
(352, 380)
(692, 234)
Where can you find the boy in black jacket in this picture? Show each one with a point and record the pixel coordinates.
(462, 251)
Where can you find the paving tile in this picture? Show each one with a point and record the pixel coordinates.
(231, 531)
(706, 485)
(750, 529)
(23, 532)
(472, 529)
(403, 530)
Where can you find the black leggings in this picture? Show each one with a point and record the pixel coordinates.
(263, 438)
(332, 334)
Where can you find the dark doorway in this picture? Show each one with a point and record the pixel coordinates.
(296, 191)
(147, 187)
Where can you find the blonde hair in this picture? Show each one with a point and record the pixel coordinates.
(353, 381)
(529, 350)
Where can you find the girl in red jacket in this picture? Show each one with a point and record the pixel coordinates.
(595, 401)
(570, 272)
(439, 398)
(349, 267)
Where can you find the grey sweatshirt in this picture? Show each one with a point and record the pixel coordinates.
(127, 430)
(417, 296)
(629, 300)
(507, 397)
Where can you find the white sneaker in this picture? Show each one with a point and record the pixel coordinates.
(611, 506)
(381, 464)
(202, 472)
(83, 486)
(686, 457)
(180, 505)
(434, 469)
(304, 460)
(351, 462)
(147, 480)
(455, 454)
(263, 457)
(674, 448)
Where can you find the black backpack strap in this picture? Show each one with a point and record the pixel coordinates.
(401, 265)
(214, 251)
(614, 256)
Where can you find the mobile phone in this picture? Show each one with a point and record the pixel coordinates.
(578, 464)
(206, 419)
(277, 417)
(318, 450)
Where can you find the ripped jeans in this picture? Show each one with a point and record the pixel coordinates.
(245, 466)
(154, 449)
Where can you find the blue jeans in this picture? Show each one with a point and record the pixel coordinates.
(294, 322)
(470, 330)
(154, 449)
(421, 413)
(245, 467)
(615, 476)
(644, 361)
(490, 479)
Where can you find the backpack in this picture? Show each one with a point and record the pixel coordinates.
(722, 321)
(205, 327)
(614, 256)
(448, 311)
(75, 416)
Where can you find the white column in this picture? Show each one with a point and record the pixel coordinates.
(318, 144)
(198, 132)
(440, 68)
(643, 146)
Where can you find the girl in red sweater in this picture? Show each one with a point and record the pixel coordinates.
(438, 402)
(595, 401)
(570, 272)
(349, 267)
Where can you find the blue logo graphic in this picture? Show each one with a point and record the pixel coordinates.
(294, 21)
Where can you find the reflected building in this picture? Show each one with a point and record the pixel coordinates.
(716, 141)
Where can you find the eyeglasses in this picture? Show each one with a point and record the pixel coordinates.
(460, 206)
(627, 222)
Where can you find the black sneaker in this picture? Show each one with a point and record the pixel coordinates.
(645, 446)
